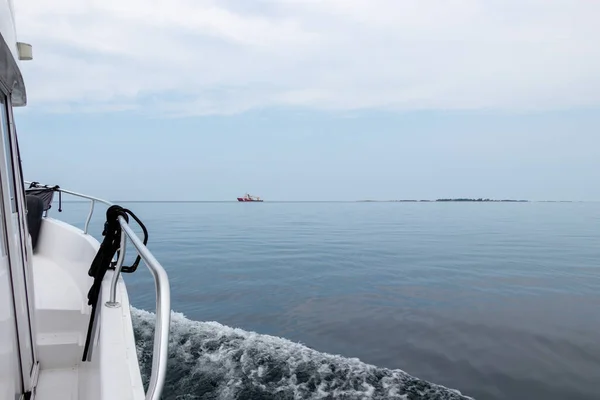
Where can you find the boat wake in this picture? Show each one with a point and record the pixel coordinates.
(208, 360)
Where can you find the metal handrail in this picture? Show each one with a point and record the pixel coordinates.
(163, 294)
(163, 314)
(92, 199)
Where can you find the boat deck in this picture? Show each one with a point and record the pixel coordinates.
(61, 318)
(56, 384)
(59, 269)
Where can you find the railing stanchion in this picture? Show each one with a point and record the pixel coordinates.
(112, 301)
(89, 217)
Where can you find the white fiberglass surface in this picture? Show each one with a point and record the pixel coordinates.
(10, 375)
(57, 384)
(60, 268)
(7, 26)
(54, 287)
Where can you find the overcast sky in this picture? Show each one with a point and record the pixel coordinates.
(313, 100)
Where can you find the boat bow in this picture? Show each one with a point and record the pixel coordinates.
(109, 346)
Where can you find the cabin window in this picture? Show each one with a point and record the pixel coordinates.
(8, 161)
(3, 236)
(3, 244)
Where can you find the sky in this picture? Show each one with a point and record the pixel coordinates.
(313, 99)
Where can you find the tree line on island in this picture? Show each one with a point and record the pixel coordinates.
(481, 199)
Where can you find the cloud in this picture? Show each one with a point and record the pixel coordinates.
(194, 57)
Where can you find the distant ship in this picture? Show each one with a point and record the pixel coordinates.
(248, 197)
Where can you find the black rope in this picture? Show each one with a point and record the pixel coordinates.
(135, 264)
(102, 262)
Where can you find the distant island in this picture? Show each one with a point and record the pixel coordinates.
(445, 200)
(481, 199)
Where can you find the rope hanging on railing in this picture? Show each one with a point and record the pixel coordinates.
(135, 264)
(101, 264)
(103, 261)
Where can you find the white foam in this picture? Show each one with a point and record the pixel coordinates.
(213, 361)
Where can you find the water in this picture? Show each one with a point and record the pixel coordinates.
(499, 301)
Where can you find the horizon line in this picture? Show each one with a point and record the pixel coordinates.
(342, 201)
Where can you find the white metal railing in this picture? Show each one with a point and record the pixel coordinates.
(162, 287)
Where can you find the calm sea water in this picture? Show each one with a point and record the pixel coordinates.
(499, 301)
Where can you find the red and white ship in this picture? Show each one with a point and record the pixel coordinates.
(248, 197)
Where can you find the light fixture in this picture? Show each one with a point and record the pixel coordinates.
(25, 51)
